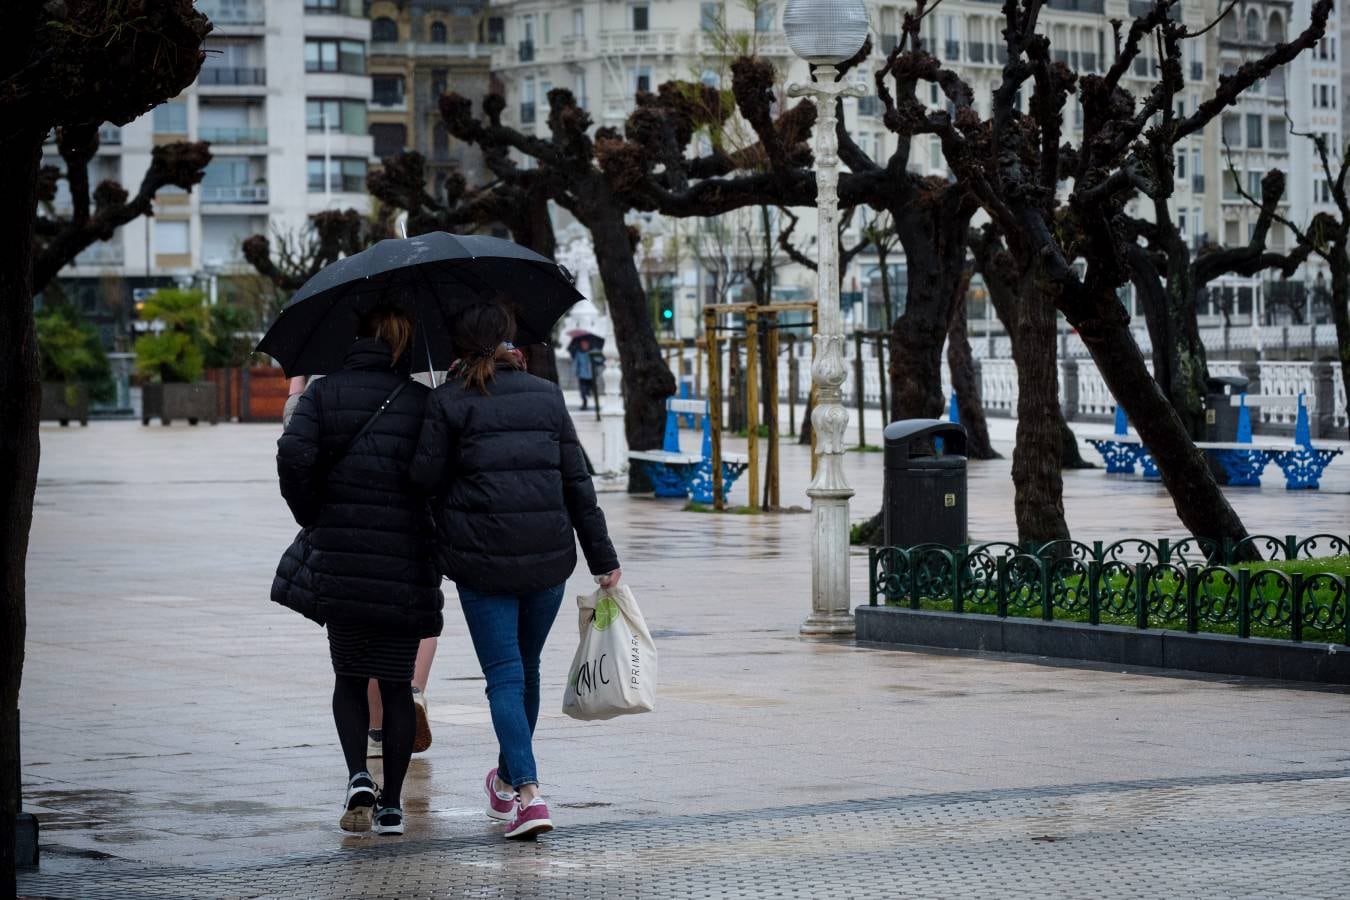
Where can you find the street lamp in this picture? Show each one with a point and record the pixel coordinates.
(825, 33)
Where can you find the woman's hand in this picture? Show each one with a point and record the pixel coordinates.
(610, 581)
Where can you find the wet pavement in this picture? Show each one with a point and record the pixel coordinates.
(177, 740)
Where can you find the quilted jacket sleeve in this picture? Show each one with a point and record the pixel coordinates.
(430, 469)
(579, 494)
(298, 461)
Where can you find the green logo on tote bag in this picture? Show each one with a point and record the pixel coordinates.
(606, 611)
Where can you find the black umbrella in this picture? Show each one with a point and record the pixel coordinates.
(580, 334)
(431, 276)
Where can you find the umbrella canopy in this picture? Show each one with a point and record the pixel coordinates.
(578, 334)
(431, 276)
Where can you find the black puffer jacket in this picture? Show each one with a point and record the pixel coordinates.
(364, 557)
(509, 485)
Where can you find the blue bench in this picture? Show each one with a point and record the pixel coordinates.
(679, 475)
(1242, 460)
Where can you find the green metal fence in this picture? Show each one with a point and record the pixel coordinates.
(1190, 583)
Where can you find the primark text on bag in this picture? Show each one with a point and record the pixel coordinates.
(614, 670)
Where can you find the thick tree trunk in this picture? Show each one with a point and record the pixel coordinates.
(20, 394)
(647, 381)
(1199, 502)
(961, 363)
(1179, 364)
(1039, 489)
(1340, 308)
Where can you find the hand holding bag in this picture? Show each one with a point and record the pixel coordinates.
(614, 670)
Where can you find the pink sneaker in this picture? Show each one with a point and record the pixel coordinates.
(501, 804)
(530, 820)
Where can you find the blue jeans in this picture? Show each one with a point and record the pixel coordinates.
(508, 632)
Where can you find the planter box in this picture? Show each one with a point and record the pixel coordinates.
(194, 402)
(56, 405)
(266, 392)
(1115, 644)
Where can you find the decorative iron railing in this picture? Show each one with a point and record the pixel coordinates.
(1190, 584)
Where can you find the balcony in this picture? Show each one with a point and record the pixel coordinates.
(427, 49)
(234, 193)
(525, 51)
(527, 113)
(233, 136)
(213, 76)
(233, 12)
(109, 134)
(573, 47)
(103, 253)
(643, 43)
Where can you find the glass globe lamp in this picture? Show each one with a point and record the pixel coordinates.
(825, 32)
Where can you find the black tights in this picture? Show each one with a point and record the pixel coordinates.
(351, 712)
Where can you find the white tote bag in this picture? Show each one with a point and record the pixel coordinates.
(614, 670)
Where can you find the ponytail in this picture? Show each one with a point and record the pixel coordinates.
(481, 333)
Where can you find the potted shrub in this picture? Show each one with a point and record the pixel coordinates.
(74, 367)
(172, 357)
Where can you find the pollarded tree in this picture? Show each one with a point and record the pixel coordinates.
(1169, 277)
(70, 64)
(1016, 164)
(297, 258)
(1328, 237)
(97, 211)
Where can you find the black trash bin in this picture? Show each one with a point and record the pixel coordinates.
(1221, 416)
(925, 487)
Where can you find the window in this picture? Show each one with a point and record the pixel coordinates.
(171, 118)
(323, 55)
(391, 138)
(438, 33)
(172, 237)
(344, 174)
(386, 90)
(321, 6)
(384, 29)
(642, 79)
(1183, 224)
(710, 16)
(1254, 184)
(578, 22)
(1275, 34)
(640, 22)
(1230, 186)
(496, 30)
(579, 89)
(440, 83)
(765, 13)
(548, 27)
(1232, 130)
(335, 115)
(1253, 25)
(1228, 28)
(1181, 165)
(440, 142)
(1254, 138)
(1279, 135)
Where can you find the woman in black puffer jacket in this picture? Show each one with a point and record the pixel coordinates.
(363, 565)
(500, 458)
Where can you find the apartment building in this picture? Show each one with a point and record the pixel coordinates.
(418, 50)
(605, 51)
(282, 98)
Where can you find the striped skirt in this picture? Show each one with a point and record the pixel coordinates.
(364, 652)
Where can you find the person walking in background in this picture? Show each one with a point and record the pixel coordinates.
(499, 457)
(363, 565)
(584, 367)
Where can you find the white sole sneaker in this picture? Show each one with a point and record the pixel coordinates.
(357, 819)
(396, 828)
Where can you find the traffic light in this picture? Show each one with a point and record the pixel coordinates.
(666, 310)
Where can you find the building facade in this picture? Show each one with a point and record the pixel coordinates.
(420, 49)
(605, 52)
(282, 99)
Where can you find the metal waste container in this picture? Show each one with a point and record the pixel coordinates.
(925, 483)
(1221, 416)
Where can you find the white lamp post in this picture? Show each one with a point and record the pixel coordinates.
(826, 33)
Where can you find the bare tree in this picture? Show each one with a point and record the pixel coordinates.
(73, 65)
